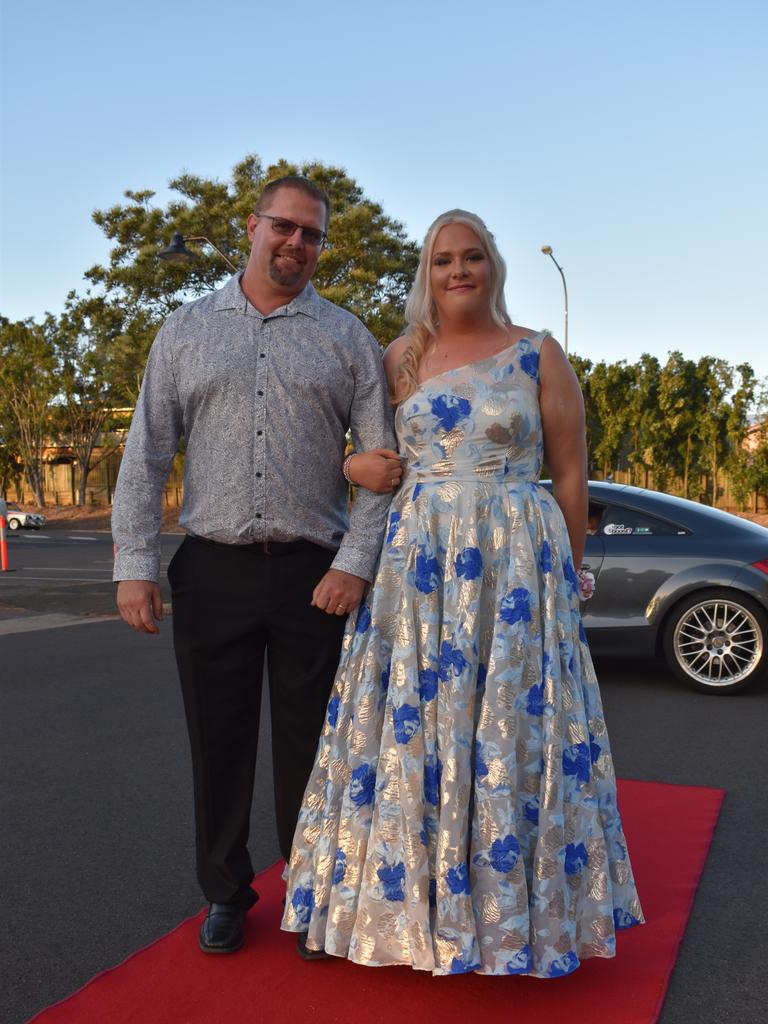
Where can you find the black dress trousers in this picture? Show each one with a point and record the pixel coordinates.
(231, 605)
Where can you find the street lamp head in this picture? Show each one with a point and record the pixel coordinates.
(547, 250)
(177, 252)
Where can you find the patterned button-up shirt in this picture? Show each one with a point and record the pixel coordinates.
(263, 403)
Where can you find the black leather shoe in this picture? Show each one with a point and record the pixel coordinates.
(309, 954)
(222, 929)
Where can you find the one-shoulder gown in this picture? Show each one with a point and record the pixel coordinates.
(461, 814)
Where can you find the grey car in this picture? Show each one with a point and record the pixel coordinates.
(679, 580)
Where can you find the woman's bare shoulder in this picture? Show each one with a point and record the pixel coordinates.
(518, 333)
(394, 351)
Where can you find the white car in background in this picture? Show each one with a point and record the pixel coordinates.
(18, 520)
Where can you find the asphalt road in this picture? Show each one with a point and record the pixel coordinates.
(64, 573)
(97, 828)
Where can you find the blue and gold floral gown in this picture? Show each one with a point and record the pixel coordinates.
(461, 814)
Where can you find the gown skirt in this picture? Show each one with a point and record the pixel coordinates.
(461, 814)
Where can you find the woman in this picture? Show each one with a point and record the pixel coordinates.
(461, 814)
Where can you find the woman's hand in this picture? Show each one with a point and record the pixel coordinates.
(379, 470)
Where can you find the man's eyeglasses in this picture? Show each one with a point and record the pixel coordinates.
(312, 236)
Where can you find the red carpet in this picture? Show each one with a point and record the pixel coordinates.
(669, 829)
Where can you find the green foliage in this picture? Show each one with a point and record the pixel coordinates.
(87, 338)
(682, 422)
(10, 443)
(646, 446)
(609, 387)
(27, 386)
(748, 462)
(367, 266)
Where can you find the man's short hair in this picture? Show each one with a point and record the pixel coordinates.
(296, 181)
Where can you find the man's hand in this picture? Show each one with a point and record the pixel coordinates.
(338, 592)
(140, 604)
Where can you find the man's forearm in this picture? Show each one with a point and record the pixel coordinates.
(361, 545)
(137, 518)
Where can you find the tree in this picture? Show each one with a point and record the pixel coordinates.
(10, 455)
(367, 266)
(748, 459)
(716, 377)
(90, 381)
(610, 386)
(738, 458)
(683, 404)
(28, 385)
(644, 453)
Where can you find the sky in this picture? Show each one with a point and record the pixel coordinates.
(629, 136)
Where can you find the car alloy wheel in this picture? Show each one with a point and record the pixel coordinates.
(13, 524)
(717, 641)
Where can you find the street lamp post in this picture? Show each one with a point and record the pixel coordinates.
(177, 251)
(547, 250)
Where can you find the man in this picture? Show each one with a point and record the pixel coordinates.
(262, 378)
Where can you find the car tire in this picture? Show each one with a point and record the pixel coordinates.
(13, 524)
(700, 646)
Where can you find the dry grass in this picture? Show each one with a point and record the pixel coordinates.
(756, 517)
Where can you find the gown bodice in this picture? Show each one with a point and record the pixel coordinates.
(479, 421)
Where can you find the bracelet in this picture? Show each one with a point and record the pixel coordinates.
(345, 468)
(586, 584)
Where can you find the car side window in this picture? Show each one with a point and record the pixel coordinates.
(594, 518)
(626, 522)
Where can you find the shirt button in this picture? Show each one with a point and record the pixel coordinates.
(259, 392)
(262, 355)
(258, 474)
(259, 433)
(258, 515)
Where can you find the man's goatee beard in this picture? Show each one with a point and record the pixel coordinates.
(280, 277)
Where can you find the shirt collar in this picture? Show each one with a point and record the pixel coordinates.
(231, 296)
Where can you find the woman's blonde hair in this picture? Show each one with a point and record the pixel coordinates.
(421, 310)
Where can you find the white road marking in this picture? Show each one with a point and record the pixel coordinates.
(61, 536)
(32, 623)
(56, 568)
(51, 579)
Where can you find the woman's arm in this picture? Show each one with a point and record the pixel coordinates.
(565, 445)
(380, 469)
